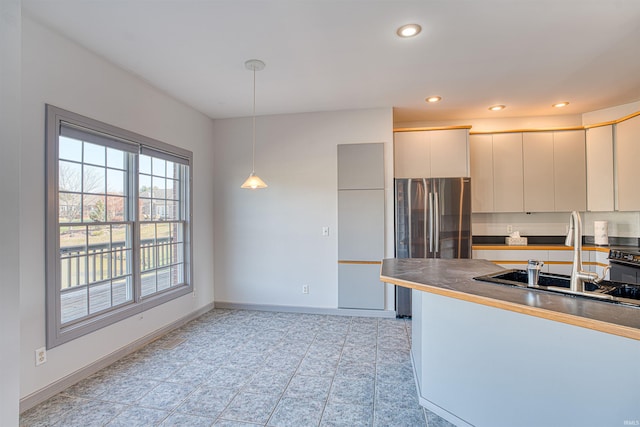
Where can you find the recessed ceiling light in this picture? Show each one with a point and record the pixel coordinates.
(561, 104)
(409, 30)
(497, 107)
(432, 99)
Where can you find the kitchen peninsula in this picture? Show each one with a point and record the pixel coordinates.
(492, 355)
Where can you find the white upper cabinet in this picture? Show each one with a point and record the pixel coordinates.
(537, 148)
(431, 153)
(481, 153)
(569, 169)
(600, 190)
(496, 172)
(555, 177)
(628, 170)
(508, 173)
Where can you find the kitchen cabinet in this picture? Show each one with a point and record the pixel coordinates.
(554, 171)
(496, 172)
(569, 171)
(537, 149)
(599, 152)
(360, 225)
(431, 153)
(628, 170)
(508, 173)
(481, 156)
(360, 166)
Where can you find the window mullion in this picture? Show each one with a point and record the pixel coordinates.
(133, 214)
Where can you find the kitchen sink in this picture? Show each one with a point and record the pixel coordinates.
(609, 291)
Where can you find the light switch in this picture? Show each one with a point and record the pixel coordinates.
(325, 231)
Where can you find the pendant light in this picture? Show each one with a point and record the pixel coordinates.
(254, 181)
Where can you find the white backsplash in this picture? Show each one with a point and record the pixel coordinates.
(621, 224)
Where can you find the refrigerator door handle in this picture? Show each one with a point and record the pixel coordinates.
(431, 230)
(409, 213)
(436, 228)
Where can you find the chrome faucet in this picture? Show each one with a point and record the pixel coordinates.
(574, 238)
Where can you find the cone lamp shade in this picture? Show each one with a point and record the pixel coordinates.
(254, 182)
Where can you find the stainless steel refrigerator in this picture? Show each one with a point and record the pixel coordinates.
(433, 220)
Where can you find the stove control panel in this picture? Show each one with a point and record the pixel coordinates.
(624, 256)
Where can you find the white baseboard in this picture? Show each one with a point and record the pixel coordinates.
(307, 310)
(56, 387)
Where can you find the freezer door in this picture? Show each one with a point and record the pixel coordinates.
(452, 217)
(413, 223)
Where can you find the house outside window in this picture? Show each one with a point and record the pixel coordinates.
(118, 237)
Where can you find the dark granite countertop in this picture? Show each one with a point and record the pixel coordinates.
(454, 278)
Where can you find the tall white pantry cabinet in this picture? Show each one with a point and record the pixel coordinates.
(360, 225)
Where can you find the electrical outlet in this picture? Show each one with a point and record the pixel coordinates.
(41, 356)
(305, 289)
(509, 228)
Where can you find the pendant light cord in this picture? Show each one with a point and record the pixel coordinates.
(253, 156)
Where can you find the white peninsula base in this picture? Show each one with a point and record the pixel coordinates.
(483, 366)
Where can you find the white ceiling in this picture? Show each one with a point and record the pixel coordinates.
(326, 55)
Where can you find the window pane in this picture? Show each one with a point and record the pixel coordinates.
(159, 187)
(120, 262)
(163, 232)
(171, 212)
(177, 274)
(172, 169)
(144, 164)
(163, 253)
(148, 283)
(115, 158)
(122, 290)
(116, 209)
(159, 166)
(120, 236)
(147, 257)
(115, 182)
(99, 237)
(69, 176)
(159, 210)
(145, 209)
(173, 190)
(94, 154)
(73, 304)
(176, 256)
(69, 207)
(93, 208)
(164, 278)
(144, 183)
(73, 240)
(69, 149)
(94, 180)
(147, 233)
(99, 297)
(176, 232)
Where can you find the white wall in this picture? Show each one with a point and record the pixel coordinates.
(268, 243)
(59, 72)
(10, 24)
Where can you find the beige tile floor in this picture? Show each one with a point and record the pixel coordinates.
(240, 368)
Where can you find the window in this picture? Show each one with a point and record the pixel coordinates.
(118, 224)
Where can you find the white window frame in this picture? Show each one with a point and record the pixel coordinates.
(57, 332)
